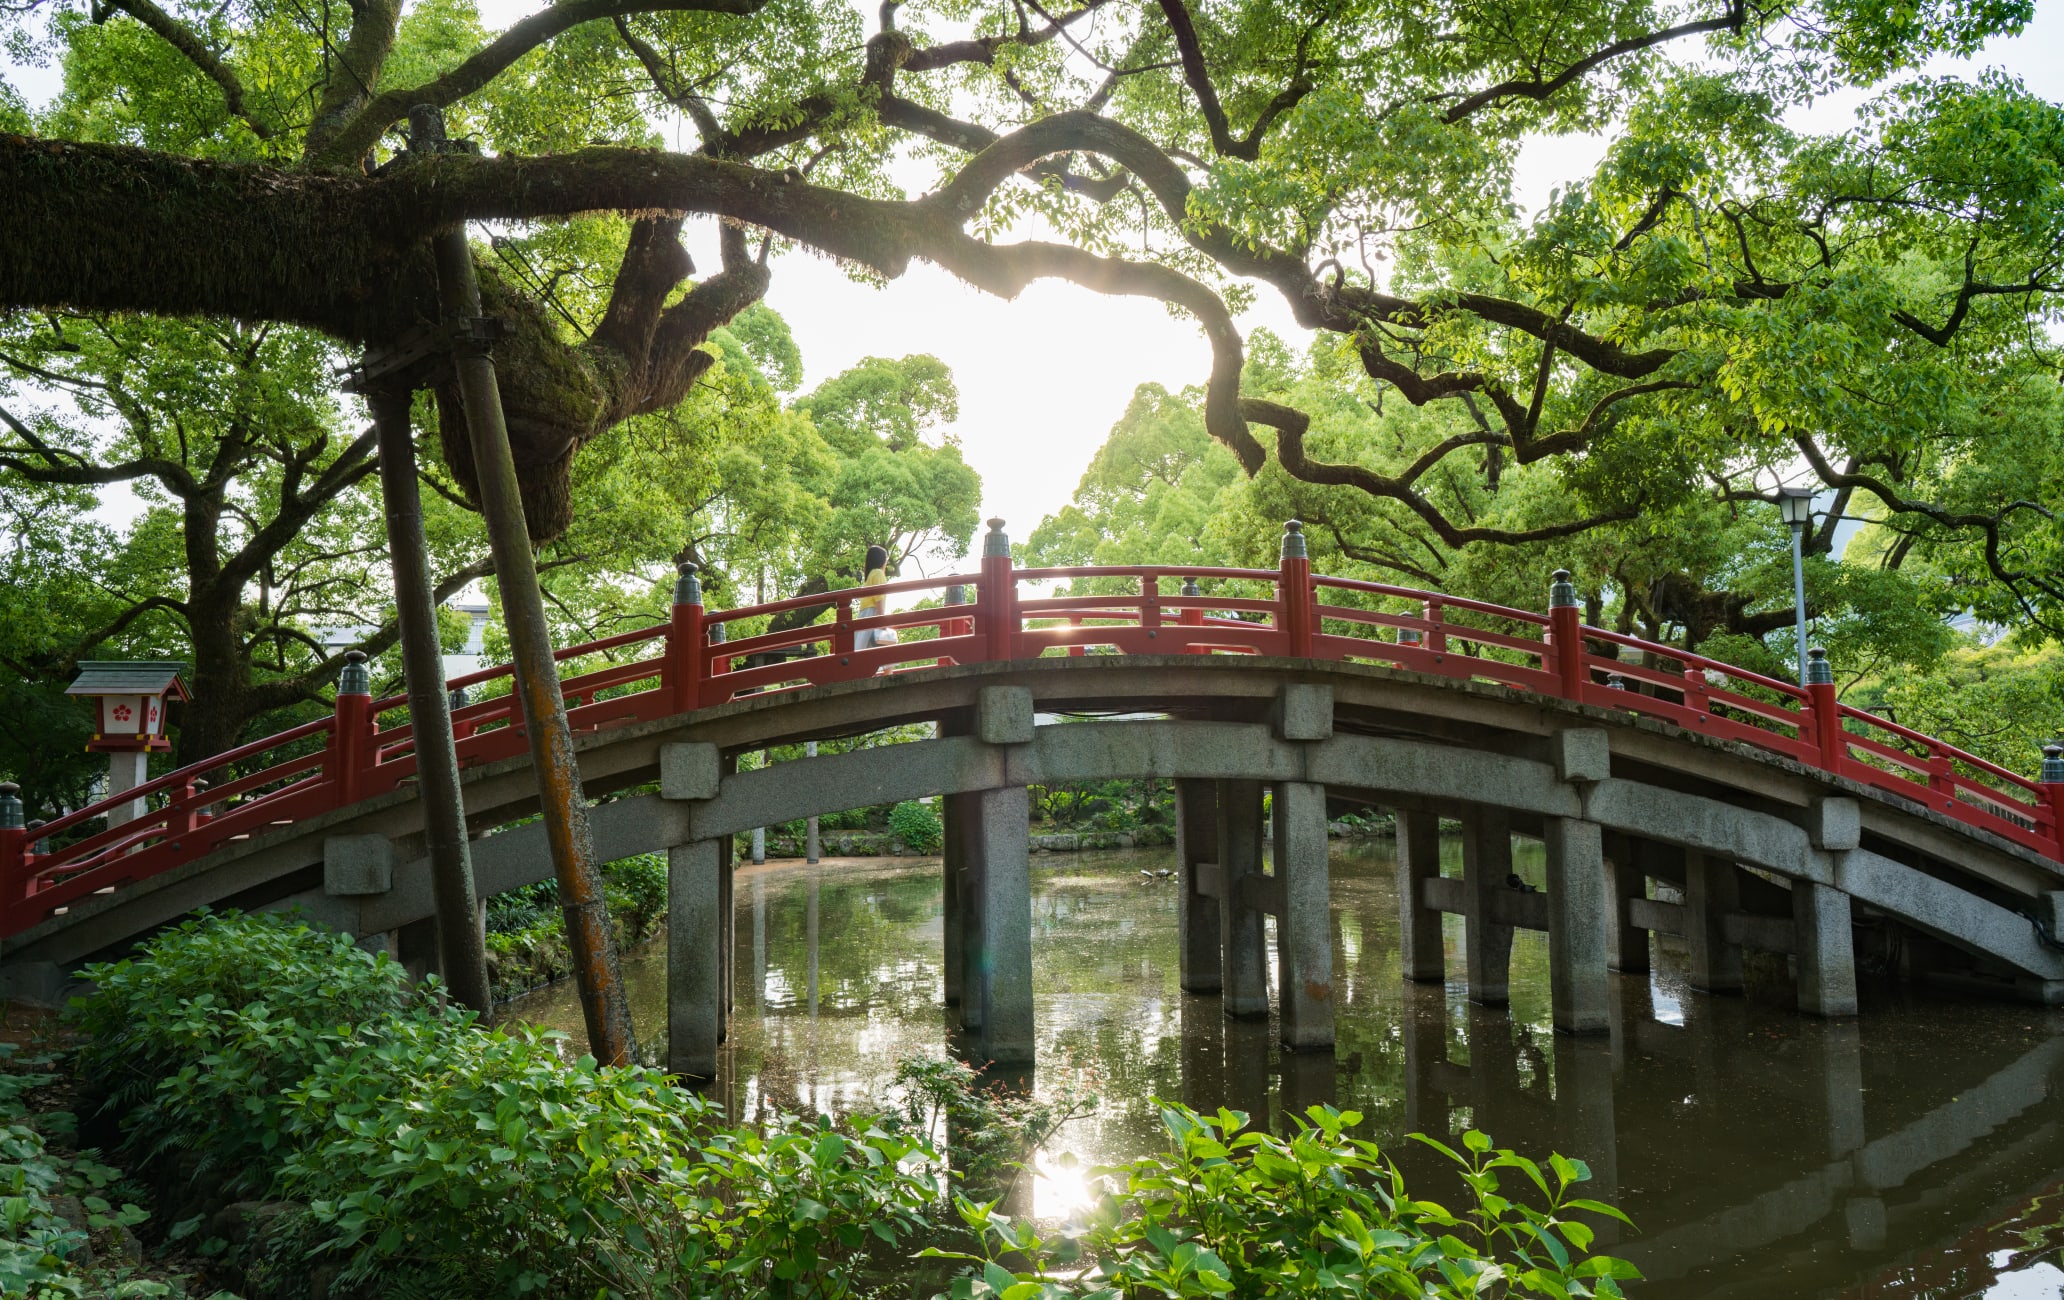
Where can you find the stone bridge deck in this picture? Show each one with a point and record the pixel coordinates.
(1697, 800)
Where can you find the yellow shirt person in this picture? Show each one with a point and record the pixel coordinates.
(874, 606)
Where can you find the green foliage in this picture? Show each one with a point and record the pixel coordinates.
(1997, 702)
(917, 824)
(526, 931)
(194, 1041)
(434, 1155)
(43, 1255)
(1232, 1211)
(988, 1130)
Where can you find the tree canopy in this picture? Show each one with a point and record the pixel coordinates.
(1722, 301)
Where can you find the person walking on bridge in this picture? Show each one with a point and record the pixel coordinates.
(877, 575)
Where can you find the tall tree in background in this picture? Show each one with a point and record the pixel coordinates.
(1722, 299)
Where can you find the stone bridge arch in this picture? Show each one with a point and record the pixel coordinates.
(1755, 850)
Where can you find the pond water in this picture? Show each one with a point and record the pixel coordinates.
(1915, 1152)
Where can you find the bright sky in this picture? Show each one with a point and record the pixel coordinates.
(1043, 378)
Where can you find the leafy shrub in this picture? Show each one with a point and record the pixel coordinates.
(194, 1041)
(1233, 1212)
(437, 1158)
(521, 909)
(439, 1142)
(917, 825)
(43, 1254)
(989, 1132)
(637, 892)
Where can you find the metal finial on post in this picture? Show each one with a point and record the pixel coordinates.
(688, 586)
(1614, 681)
(956, 594)
(10, 806)
(1190, 587)
(2052, 764)
(1819, 672)
(1562, 593)
(355, 679)
(996, 542)
(1294, 547)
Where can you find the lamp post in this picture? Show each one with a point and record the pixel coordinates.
(1795, 505)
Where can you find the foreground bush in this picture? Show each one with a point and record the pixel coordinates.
(436, 1158)
(425, 1156)
(1226, 1211)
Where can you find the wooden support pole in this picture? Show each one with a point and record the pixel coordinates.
(595, 966)
(462, 949)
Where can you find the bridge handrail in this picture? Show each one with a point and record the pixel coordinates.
(1691, 660)
(178, 779)
(998, 621)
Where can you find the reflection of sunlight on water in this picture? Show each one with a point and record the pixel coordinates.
(1060, 1186)
(2040, 1281)
(1668, 1010)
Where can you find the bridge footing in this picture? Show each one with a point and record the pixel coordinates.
(998, 884)
(1199, 924)
(1711, 894)
(1486, 866)
(1304, 925)
(1243, 973)
(1420, 942)
(1826, 956)
(695, 959)
(1577, 903)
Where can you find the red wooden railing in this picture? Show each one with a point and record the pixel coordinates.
(692, 662)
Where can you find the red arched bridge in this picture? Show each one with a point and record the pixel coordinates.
(1675, 794)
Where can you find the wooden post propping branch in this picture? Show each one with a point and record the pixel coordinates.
(595, 966)
(462, 948)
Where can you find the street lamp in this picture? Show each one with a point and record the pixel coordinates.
(1795, 506)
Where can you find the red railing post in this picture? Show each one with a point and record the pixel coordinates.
(1192, 617)
(682, 672)
(1566, 636)
(1827, 711)
(14, 859)
(843, 638)
(956, 595)
(1296, 606)
(1437, 635)
(2052, 779)
(996, 603)
(718, 634)
(351, 733)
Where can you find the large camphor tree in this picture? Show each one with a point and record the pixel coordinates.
(1722, 299)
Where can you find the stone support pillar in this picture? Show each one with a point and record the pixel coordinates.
(694, 958)
(1577, 917)
(1486, 865)
(1304, 929)
(1826, 950)
(812, 842)
(1004, 990)
(1243, 979)
(727, 933)
(1420, 945)
(1626, 946)
(954, 814)
(1711, 893)
(1198, 916)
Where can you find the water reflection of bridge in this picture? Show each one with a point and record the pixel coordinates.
(1760, 1152)
(1757, 1155)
